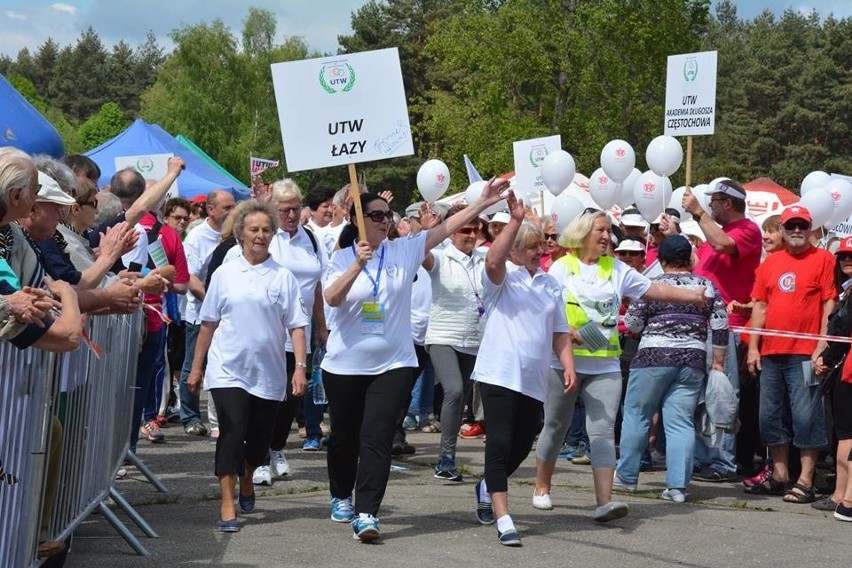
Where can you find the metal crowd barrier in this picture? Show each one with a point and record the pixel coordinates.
(93, 399)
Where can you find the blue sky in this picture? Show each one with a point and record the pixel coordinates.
(30, 22)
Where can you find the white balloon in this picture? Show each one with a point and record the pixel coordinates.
(664, 155)
(819, 203)
(557, 171)
(603, 190)
(565, 209)
(652, 194)
(618, 160)
(700, 192)
(625, 200)
(814, 179)
(433, 179)
(473, 191)
(841, 194)
(676, 202)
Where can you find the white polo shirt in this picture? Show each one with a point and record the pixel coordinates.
(198, 246)
(297, 255)
(523, 314)
(351, 351)
(255, 306)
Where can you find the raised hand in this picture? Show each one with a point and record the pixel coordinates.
(516, 207)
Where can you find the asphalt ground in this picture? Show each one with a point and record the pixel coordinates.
(431, 523)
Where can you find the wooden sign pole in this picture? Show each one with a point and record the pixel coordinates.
(356, 200)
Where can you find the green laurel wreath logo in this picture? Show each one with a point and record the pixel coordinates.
(329, 89)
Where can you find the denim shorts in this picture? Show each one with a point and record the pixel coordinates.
(789, 410)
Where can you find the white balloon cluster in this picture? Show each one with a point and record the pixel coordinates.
(828, 199)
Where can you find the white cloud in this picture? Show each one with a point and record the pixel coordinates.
(15, 15)
(63, 7)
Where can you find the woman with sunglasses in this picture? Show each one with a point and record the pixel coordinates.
(593, 287)
(552, 250)
(368, 370)
(454, 331)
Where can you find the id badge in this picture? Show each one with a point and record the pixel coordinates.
(372, 318)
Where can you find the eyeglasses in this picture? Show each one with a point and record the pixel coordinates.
(551, 236)
(287, 210)
(718, 199)
(629, 252)
(183, 218)
(93, 204)
(800, 225)
(467, 230)
(844, 256)
(379, 216)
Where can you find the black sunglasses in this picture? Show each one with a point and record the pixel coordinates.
(551, 236)
(379, 216)
(629, 252)
(844, 256)
(793, 225)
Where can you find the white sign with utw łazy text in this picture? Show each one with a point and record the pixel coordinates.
(690, 94)
(343, 109)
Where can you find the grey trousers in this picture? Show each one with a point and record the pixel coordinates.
(601, 395)
(452, 370)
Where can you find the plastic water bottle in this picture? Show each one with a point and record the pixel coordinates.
(315, 384)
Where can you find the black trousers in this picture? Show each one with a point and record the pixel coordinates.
(245, 429)
(364, 410)
(513, 421)
(287, 411)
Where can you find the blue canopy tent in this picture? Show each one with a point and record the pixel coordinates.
(143, 138)
(22, 126)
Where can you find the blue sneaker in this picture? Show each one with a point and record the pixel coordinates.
(484, 510)
(312, 445)
(446, 470)
(246, 502)
(567, 452)
(229, 526)
(509, 538)
(365, 527)
(341, 510)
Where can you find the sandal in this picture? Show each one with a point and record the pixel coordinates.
(432, 428)
(770, 486)
(800, 494)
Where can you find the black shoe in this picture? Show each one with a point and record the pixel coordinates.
(403, 448)
(509, 538)
(713, 476)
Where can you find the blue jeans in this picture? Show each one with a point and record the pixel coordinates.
(190, 404)
(789, 410)
(423, 394)
(145, 371)
(723, 458)
(313, 416)
(155, 389)
(577, 428)
(676, 390)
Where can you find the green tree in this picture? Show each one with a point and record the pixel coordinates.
(106, 124)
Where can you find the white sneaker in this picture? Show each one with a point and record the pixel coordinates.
(619, 485)
(675, 495)
(261, 476)
(278, 462)
(542, 502)
(611, 511)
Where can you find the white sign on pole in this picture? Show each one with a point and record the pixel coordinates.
(691, 94)
(528, 157)
(151, 166)
(342, 109)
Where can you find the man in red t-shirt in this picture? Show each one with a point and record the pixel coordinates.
(794, 291)
(728, 258)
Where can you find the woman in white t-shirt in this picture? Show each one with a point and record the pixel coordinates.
(593, 285)
(368, 370)
(252, 302)
(525, 324)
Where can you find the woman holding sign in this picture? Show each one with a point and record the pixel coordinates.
(369, 367)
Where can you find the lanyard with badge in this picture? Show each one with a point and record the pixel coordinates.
(373, 313)
(480, 306)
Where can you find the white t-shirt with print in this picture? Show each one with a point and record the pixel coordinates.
(255, 306)
(351, 351)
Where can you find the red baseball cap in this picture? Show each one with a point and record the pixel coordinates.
(845, 245)
(796, 212)
(199, 199)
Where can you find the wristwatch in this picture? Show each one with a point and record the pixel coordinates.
(301, 364)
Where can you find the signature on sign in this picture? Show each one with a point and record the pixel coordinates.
(393, 140)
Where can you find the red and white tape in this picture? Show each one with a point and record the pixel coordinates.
(790, 334)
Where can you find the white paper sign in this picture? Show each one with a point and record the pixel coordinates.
(528, 157)
(341, 110)
(151, 166)
(691, 94)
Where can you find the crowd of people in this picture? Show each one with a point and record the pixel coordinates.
(612, 342)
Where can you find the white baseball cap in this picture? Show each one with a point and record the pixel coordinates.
(50, 192)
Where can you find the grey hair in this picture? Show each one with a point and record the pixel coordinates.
(285, 190)
(340, 197)
(527, 233)
(575, 233)
(250, 207)
(109, 207)
(61, 174)
(16, 171)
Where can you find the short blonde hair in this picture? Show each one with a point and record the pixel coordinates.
(285, 190)
(575, 233)
(527, 233)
